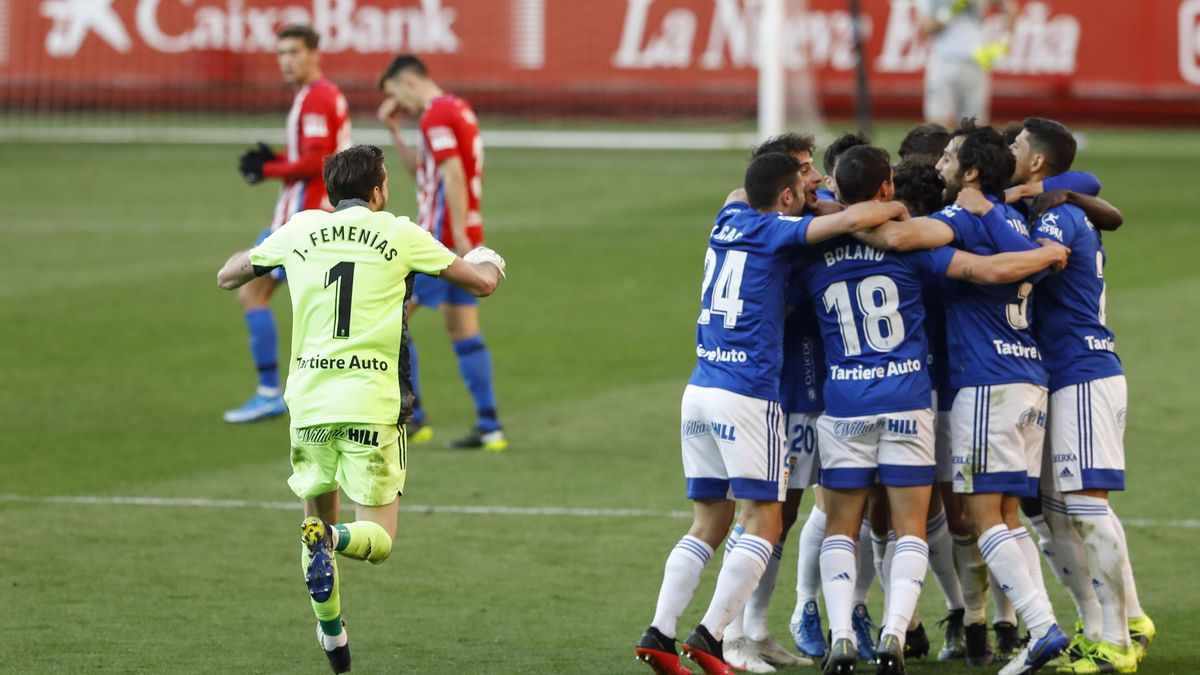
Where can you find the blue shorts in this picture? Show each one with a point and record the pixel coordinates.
(277, 274)
(433, 292)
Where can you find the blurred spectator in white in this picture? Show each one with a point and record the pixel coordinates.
(957, 75)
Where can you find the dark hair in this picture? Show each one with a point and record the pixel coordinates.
(1053, 140)
(1011, 131)
(924, 144)
(354, 173)
(402, 63)
(305, 33)
(919, 186)
(984, 149)
(788, 144)
(860, 172)
(767, 175)
(839, 147)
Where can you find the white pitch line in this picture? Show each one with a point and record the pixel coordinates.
(295, 506)
(571, 512)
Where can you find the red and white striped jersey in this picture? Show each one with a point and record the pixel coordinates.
(318, 126)
(449, 128)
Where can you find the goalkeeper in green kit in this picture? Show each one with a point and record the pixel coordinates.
(348, 391)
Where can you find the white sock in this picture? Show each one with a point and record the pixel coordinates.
(331, 642)
(1032, 558)
(1007, 563)
(740, 572)
(1071, 565)
(973, 575)
(839, 568)
(757, 607)
(1002, 608)
(271, 392)
(941, 560)
(878, 555)
(808, 567)
(681, 575)
(1133, 604)
(734, 630)
(1045, 544)
(1106, 560)
(907, 575)
(867, 563)
(885, 570)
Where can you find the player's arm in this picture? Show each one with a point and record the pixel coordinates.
(392, 116)
(1103, 215)
(238, 271)
(454, 178)
(914, 234)
(1007, 268)
(854, 218)
(479, 273)
(1077, 181)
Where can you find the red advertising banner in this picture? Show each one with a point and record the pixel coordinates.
(1076, 58)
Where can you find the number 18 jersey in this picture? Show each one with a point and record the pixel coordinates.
(348, 277)
(739, 335)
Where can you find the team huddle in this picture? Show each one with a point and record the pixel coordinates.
(925, 345)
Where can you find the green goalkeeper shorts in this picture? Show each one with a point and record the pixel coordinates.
(366, 460)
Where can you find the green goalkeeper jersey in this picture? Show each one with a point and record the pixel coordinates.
(350, 278)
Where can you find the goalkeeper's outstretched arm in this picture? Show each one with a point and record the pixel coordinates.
(478, 273)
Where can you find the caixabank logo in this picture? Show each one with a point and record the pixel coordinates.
(175, 26)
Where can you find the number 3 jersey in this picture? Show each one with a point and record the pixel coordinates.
(739, 335)
(348, 274)
(872, 314)
(987, 327)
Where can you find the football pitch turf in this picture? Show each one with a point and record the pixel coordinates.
(120, 354)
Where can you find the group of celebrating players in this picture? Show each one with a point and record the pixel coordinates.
(926, 344)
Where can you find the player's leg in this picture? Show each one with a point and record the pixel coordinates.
(461, 315)
(883, 544)
(940, 533)
(429, 292)
(712, 515)
(255, 301)
(968, 561)
(1141, 628)
(1099, 428)
(806, 628)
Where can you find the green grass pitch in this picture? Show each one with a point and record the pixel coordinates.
(119, 355)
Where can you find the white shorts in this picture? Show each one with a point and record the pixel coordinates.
(804, 455)
(1087, 436)
(896, 447)
(997, 433)
(942, 448)
(955, 89)
(733, 446)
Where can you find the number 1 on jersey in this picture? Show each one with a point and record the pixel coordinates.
(726, 294)
(341, 274)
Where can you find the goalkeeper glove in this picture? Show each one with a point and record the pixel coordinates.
(483, 254)
(251, 163)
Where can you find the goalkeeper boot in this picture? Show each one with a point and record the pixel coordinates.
(1142, 632)
(322, 572)
(418, 433)
(339, 655)
(259, 407)
(478, 439)
(705, 651)
(658, 652)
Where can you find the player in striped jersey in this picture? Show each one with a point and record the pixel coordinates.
(318, 125)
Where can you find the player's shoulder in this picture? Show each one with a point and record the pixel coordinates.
(1062, 221)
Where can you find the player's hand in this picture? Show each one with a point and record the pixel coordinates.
(1046, 201)
(973, 201)
(251, 163)
(483, 254)
(390, 113)
(1061, 253)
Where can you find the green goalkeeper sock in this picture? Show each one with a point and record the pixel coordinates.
(329, 613)
(364, 540)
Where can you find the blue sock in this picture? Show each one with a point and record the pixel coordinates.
(264, 346)
(475, 364)
(418, 412)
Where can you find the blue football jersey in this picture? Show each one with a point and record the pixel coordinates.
(1069, 314)
(743, 299)
(987, 327)
(826, 195)
(935, 335)
(1076, 181)
(871, 311)
(803, 374)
